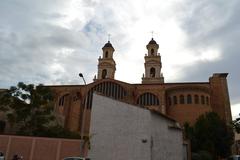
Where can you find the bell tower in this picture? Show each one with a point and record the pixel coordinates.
(106, 63)
(153, 64)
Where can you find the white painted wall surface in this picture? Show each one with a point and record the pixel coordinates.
(167, 142)
(118, 130)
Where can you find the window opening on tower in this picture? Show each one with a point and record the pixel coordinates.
(152, 72)
(152, 51)
(106, 54)
(104, 74)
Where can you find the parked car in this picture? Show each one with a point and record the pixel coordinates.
(1, 156)
(76, 158)
(234, 157)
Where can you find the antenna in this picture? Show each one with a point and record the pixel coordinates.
(152, 34)
(109, 35)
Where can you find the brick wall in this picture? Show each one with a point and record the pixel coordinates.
(219, 96)
(38, 148)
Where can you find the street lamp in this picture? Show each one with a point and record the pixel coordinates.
(81, 75)
(84, 108)
(83, 115)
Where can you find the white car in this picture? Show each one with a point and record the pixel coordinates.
(1, 156)
(76, 158)
(234, 157)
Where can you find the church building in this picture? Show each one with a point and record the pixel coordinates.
(184, 102)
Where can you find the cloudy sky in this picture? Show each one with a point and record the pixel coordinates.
(51, 41)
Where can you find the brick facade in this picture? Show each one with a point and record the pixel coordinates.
(214, 93)
(184, 102)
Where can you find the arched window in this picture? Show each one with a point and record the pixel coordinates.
(182, 99)
(207, 100)
(106, 54)
(196, 99)
(169, 101)
(189, 99)
(104, 74)
(152, 72)
(61, 101)
(148, 99)
(152, 51)
(108, 89)
(202, 99)
(175, 101)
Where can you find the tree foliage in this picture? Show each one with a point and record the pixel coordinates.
(29, 110)
(236, 124)
(202, 155)
(210, 134)
(2, 126)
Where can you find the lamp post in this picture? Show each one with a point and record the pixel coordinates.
(84, 108)
(83, 115)
(81, 75)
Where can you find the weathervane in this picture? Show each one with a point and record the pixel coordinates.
(152, 34)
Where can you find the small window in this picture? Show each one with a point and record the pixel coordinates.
(202, 99)
(152, 72)
(169, 101)
(182, 99)
(61, 101)
(78, 95)
(104, 74)
(106, 54)
(207, 100)
(152, 51)
(189, 99)
(196, 99)
(175, 99)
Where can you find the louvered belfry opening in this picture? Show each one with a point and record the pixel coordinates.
(108, 89)
(148, 99)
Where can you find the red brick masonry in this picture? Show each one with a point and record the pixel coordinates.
(38, 148)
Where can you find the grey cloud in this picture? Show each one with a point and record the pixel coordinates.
(26, 14)
(30, 43)
(214, 24)
(90, 3)
(206, 22)
(27, 56)
(31, 40)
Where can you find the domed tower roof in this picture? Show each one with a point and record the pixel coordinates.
(108, 44)
(152, 41)
(151, 44)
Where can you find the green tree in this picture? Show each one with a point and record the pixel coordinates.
(28, 108)
(2, 126)
(211, 135)
(202, 155)
(236, 124)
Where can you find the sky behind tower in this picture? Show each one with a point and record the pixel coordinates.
(51, 41)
